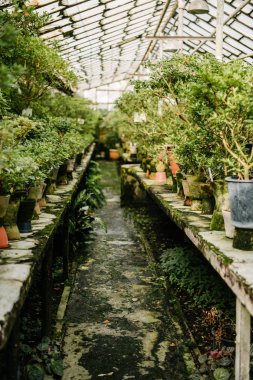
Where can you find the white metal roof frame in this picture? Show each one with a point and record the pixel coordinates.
(106, 40)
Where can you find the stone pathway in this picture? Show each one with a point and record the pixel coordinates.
(118, 325)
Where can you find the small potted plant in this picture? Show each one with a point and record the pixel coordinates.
(112, 143)
(233, 122)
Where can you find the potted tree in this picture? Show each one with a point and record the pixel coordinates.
(232, 121)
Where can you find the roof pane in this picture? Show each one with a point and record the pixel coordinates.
(51, 8)
(117, 10)
(84, 7)
(90, 13)
(89, 21)
(115, 23)
(101, 38)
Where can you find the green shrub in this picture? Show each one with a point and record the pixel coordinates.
(190, 272)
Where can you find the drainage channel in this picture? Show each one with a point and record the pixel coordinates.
(120, 323)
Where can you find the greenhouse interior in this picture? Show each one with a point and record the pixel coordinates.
(126, 189)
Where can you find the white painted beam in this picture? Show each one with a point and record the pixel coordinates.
(181, 38)
(242, 357)
(219, 29)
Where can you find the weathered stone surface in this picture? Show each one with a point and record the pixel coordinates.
(54, 198)
(19, 272)
(117, 324)
(47, 217)
(10, 297)
(12, 255)
(15, 270)
(233, 265)
(23, 244)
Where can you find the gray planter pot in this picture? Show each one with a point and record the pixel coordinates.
(241, 202)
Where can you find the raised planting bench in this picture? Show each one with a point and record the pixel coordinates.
(23, 258)
(234, 266)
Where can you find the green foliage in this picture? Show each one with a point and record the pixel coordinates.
(201, 106)
(43, 67)
(31, 149)
(44, 361)
(25, 19)
(82, 216)
(27, 65)
(112, 140)
(8, 74)
(60, 104)
(151, 135)
(188, 271)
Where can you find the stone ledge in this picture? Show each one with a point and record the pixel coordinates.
(233, 265)
(23, 257)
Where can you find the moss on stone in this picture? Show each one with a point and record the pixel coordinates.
(217, 222)
(243, 239)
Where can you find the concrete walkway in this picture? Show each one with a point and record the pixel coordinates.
(118, 325)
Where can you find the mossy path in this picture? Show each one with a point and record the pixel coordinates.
(118, 325)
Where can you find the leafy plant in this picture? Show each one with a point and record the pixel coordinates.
(187, 270)
(28, 66)
(201, 106)
(45, 360)
(82, 216)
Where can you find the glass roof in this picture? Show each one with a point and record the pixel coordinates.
(105, 40)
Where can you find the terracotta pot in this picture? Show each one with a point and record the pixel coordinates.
(160, 176)
(174, 167)
(4, 243)
(114, 154)
(229, 228)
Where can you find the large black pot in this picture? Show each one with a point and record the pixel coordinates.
(241, 202)
(25, 214)
(62, 178)
(79, 157)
